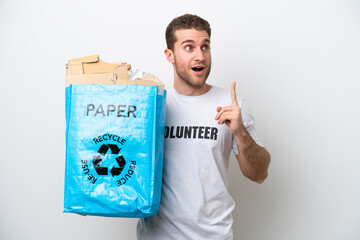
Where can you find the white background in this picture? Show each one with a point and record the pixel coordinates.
(296, 63)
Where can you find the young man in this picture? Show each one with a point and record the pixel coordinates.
(203, 124)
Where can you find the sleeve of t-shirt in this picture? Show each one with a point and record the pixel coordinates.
(249, 124)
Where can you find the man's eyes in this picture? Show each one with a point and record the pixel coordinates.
(204, 48)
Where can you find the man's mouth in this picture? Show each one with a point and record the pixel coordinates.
(197, 69)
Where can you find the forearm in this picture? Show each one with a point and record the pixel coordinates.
(253, 159)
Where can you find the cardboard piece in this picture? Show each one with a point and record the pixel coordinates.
(92, 70)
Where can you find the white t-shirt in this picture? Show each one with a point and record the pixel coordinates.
(195, 202)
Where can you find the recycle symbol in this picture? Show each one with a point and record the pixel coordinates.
(114, 149)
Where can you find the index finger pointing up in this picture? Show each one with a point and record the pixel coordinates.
(233, 94)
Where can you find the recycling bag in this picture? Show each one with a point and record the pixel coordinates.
(114, 149)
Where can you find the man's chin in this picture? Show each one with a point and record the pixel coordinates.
(198, 81)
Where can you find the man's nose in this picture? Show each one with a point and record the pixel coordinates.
(199, 55)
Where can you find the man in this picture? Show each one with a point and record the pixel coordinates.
(203, 124)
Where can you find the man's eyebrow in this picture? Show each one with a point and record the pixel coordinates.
(206, 41)
(187, 41)
(192, 41)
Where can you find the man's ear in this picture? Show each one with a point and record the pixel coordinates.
(169, 55)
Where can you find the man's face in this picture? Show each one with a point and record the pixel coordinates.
(192, 57)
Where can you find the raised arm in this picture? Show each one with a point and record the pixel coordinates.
(253, 159)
